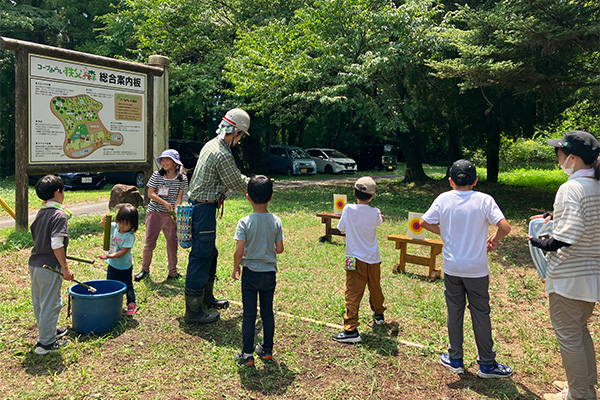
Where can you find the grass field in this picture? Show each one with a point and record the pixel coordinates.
(155, 355)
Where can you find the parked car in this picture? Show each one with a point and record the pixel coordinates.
(332, 161)
(188, 153)
(137, 178)
(77, 180)
(290, 160)
(375, 156)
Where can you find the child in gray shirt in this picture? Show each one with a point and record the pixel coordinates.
(259, 239)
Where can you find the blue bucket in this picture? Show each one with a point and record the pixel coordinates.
(100, 311)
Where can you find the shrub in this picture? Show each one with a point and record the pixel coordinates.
(526, 153)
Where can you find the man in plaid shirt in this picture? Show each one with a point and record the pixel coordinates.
(214, 175)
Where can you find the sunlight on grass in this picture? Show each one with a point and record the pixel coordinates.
(310, 284)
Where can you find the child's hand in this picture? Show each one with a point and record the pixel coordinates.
(492, 244)
(68, 275)
(382, 218)
(103, 256)
(235, 274)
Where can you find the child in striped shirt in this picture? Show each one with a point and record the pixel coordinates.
(165, 190)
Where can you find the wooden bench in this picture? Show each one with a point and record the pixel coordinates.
(326, 219)
(434, 245)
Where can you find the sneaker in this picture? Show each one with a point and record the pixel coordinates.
(563, 395)
(174, 277)
(347, 336)
(263, 354)
(140, 275)
(131, 308)
(60, 332)
(495, 370)
(454, 365)
(245, 359)
(41, 349)
(379, 319)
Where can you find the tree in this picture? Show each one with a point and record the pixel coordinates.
(528, 60)
(358, 59)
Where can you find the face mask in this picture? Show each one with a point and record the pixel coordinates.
(569, 171)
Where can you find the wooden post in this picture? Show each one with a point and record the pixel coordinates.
(21, 140)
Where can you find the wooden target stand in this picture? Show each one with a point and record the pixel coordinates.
(326, 219)
(402, 243)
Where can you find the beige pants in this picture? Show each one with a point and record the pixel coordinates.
(569, 319)
(365, 274)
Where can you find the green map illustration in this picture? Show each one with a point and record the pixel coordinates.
(84, 132)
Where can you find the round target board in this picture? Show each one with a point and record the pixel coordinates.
(415, 227)
(340, 203)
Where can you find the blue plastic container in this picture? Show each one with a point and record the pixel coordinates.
(100, 311)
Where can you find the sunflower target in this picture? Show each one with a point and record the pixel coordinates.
(415, 230)
(339, 202)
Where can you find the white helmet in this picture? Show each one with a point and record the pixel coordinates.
(238, 118)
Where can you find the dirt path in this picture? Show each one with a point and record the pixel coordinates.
(101, 207)
(327, 181)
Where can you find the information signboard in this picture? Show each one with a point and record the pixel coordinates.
(85, 113)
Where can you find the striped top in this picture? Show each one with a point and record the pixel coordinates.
(574, 271)
(166, 189)
(216, 172)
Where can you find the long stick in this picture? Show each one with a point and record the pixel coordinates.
(85, 260)
(7, 208)
(107, 222)
(88, 287)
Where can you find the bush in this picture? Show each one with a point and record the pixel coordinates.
(526, 153)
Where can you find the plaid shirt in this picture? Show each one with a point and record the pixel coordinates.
(216, 173)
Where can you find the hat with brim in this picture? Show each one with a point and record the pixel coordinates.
(172, 154)
(365, 184)
(579, 143)
(463, 170)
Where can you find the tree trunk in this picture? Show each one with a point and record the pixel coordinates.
(414, 165)
(492, 149)
(454, 150)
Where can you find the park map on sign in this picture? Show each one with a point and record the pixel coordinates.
(84, 132)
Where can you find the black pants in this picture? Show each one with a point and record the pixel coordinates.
(125, 276)
(256, 284)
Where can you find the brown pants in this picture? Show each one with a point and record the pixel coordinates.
(365, 274)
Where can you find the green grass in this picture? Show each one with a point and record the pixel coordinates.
(155, 355)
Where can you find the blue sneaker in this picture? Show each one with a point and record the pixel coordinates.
(453, 365)
(496, 370)
(245, 359)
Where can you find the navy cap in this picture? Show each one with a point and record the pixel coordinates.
(463, 172)
(579, 143)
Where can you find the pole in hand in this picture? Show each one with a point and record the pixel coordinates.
(107, 222)
(85, 260)
(88, 287)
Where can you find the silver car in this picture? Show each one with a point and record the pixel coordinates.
(331, 161)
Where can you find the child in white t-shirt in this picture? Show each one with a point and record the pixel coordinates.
(363, 264)
(461, 216)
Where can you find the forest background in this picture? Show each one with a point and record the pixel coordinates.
(439, 79)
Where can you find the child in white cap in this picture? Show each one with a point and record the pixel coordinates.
(363, 263)
(165, 190)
